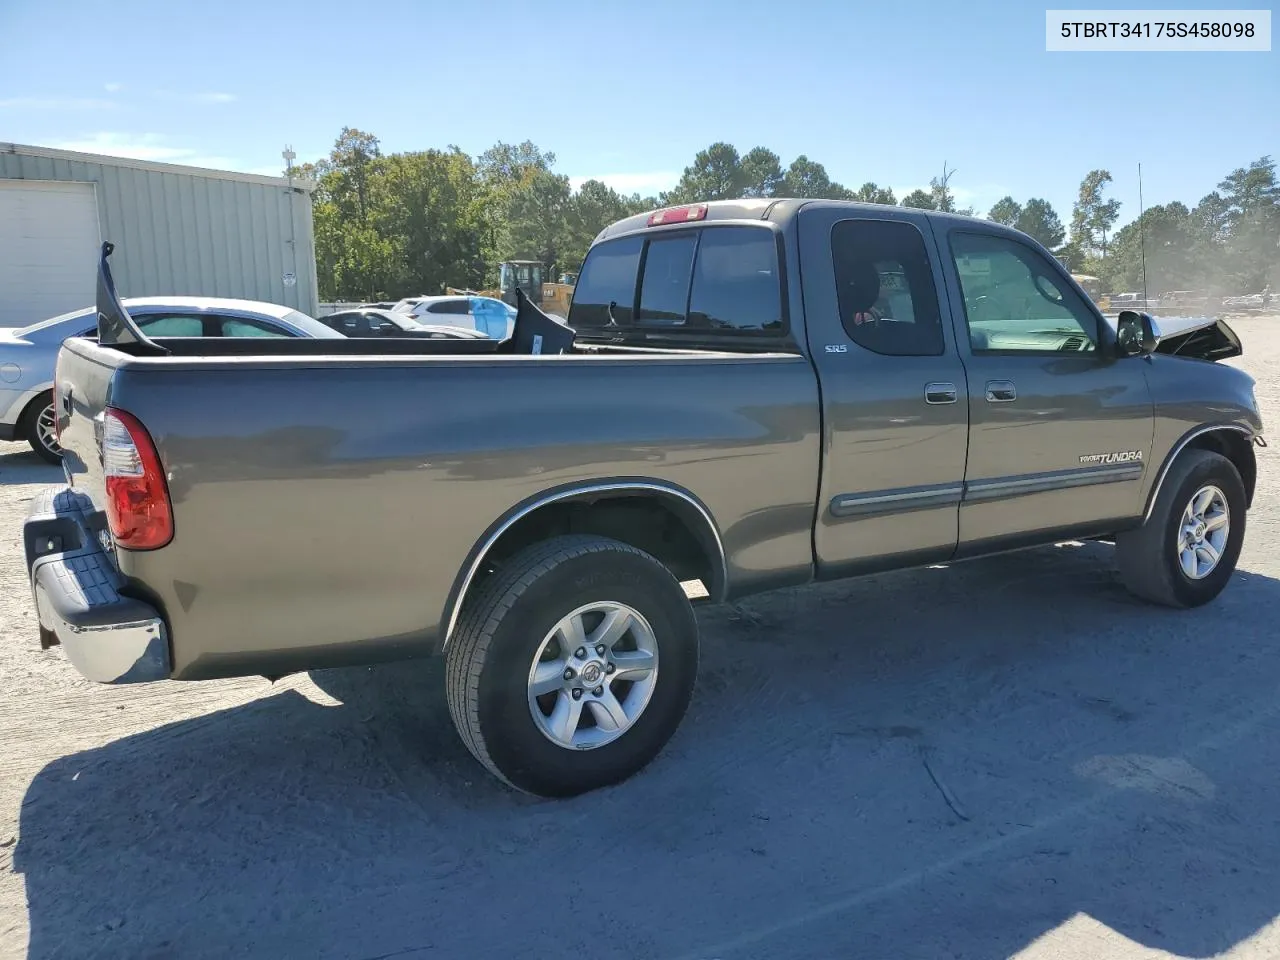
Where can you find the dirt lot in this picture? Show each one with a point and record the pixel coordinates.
(1007, 758)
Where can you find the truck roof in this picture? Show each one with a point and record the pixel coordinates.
(768, 208)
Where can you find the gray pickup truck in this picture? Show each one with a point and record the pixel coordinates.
(751, 394)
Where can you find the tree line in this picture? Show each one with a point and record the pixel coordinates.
(1227, 244)
(397, 224)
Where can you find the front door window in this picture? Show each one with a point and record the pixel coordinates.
(1014, 301)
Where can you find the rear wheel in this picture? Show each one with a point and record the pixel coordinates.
(39, 430)
(1185, 553)
(573, 666)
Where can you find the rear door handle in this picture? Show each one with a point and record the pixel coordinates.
(1001, 391)
(939, 393)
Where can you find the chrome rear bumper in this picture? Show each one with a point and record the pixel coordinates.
(108, 637)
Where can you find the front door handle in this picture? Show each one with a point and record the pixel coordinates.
(1001, 391)
(939, 393)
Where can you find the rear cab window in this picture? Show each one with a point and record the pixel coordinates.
(664, 287)
(714, 286)
(606, 287)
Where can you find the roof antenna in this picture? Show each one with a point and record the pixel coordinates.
(1142, 242)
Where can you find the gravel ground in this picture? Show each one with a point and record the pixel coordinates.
(1007, 758)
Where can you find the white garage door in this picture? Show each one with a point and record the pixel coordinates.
(48, 249)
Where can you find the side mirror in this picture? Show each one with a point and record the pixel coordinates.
(1135, 334)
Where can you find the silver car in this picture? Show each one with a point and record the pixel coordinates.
(27, 354)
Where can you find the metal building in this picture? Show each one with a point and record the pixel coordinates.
(177, 230)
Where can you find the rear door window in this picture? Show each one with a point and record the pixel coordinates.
(453, 307)
(884, 281)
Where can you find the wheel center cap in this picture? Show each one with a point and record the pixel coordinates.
(592, 673)
(1199, 531)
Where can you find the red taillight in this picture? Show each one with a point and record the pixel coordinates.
(138, 510)
(693, 211)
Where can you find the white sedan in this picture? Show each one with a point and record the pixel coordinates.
(28, 354)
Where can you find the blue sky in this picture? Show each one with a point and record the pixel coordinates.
(629, 92)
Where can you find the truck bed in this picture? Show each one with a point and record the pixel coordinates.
(214, 347)
(324, 503)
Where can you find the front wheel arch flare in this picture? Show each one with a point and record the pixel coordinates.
(1231, 441)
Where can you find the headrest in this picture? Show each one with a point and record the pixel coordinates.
(864, 286)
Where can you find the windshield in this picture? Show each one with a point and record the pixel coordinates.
(311, 327)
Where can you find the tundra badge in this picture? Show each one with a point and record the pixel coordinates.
(1123, 456)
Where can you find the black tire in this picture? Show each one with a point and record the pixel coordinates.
(501, 630)
(1148, 556)
(29, 429)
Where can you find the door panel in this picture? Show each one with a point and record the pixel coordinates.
(1039, 462)
(1060, 430)
(894, 417)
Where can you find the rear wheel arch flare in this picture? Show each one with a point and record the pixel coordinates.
(607, 507)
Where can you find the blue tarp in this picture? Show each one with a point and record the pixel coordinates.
(491, 317)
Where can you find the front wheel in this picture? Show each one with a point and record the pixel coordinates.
(573, 666)
(39, 430)
(1185, 553)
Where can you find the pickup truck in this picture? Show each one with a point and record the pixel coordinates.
(751, 394)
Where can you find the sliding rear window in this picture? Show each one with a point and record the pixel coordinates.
(688, 285)
(607, 284)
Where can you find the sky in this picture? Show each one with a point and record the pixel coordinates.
(629, 92)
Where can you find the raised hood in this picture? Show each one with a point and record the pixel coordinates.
(1199, 338)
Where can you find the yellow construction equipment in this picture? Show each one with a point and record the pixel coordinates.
(557, 296)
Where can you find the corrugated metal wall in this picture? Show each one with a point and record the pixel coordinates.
(192, 234)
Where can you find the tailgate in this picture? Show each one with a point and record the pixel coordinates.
(82, 384)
